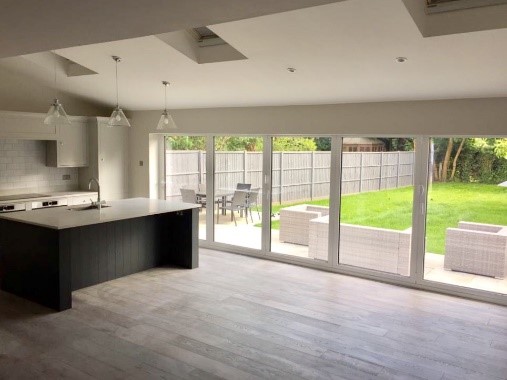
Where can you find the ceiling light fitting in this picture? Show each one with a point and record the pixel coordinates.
(56, 114)
(118, 118)
(166, 121)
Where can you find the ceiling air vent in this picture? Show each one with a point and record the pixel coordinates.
(438, 6)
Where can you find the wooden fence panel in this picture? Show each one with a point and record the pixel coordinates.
(296, 176)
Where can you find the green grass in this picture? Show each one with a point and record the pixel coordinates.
(448, 204)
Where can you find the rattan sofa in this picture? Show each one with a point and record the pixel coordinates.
(365, 247)
(477, 248)
(294, 222)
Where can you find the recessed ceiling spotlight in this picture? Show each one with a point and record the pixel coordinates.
(291, 69)
(401, 59)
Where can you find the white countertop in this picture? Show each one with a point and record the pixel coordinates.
(55, 194)
(61, 217)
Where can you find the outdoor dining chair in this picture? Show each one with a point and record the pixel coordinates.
(237, 203)
(201, 197)
(251, 200)
(189, 196)
(243, 186)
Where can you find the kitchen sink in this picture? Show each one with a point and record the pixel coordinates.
(84, 208)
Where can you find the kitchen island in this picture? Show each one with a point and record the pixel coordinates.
(46, 254)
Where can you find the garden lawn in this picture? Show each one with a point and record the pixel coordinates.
(448, 203)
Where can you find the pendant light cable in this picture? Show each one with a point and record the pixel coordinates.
(165, 96)
(117, 101)
(56, 114)
(54, 69)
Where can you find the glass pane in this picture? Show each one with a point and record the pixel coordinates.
(376, 203)
(301, 170)
(238, 184)
(185, 167)
(466, 222)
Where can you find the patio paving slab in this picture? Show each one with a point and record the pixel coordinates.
(249, 236)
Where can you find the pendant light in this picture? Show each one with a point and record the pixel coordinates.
(56, 113)
(166, 121)
(118, 118)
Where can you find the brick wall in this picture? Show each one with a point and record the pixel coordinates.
(23, 169)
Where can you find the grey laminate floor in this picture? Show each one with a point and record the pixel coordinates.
(238, 317)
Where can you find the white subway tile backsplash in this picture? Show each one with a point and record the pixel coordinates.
(23, 166)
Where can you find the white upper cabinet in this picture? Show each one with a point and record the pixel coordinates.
(71, 148)
(26, 126)
(67, 145)
(109, 159)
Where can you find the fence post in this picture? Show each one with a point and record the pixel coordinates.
(312, 176)
(381, 167)
(398, 171)
(281, 176)
(412, 168)
(244, 166)
(199, 167)
(203, 167)
(361, 173)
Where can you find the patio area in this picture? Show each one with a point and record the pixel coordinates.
(249, 236)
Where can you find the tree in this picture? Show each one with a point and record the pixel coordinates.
(398, 144)
(447, 157)
(472, 160)
(294, 144)
(186, 142)
(230, 143)
(323, 143)
(501, 148)
(455, 161)
(490, 145)
(446, 152)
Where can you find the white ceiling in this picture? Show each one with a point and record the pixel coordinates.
(343, 52)
(30, 26)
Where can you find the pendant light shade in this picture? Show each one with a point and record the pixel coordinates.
(166, 121)
(118, 118)
(56, 114)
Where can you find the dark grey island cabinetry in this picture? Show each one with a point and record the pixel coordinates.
(46, 254)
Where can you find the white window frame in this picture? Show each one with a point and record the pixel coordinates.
(416, 274)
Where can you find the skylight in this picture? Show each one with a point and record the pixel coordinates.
(204, 32)
(436, 6)
(204, 36)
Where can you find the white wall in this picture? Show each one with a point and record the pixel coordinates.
(23, 169)
(462, 117)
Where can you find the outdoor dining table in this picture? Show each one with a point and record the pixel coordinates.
(221, 195)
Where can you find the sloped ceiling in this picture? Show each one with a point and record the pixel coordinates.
(343, 52)
(31, 26)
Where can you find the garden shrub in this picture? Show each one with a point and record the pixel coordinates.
(476, 166)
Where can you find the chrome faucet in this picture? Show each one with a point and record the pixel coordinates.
(99, 202)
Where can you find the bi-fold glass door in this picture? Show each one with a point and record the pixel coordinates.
(300, 196)
(238, 167)
(466, 225)
(377, 190)
(185, 173)
(352, 204)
